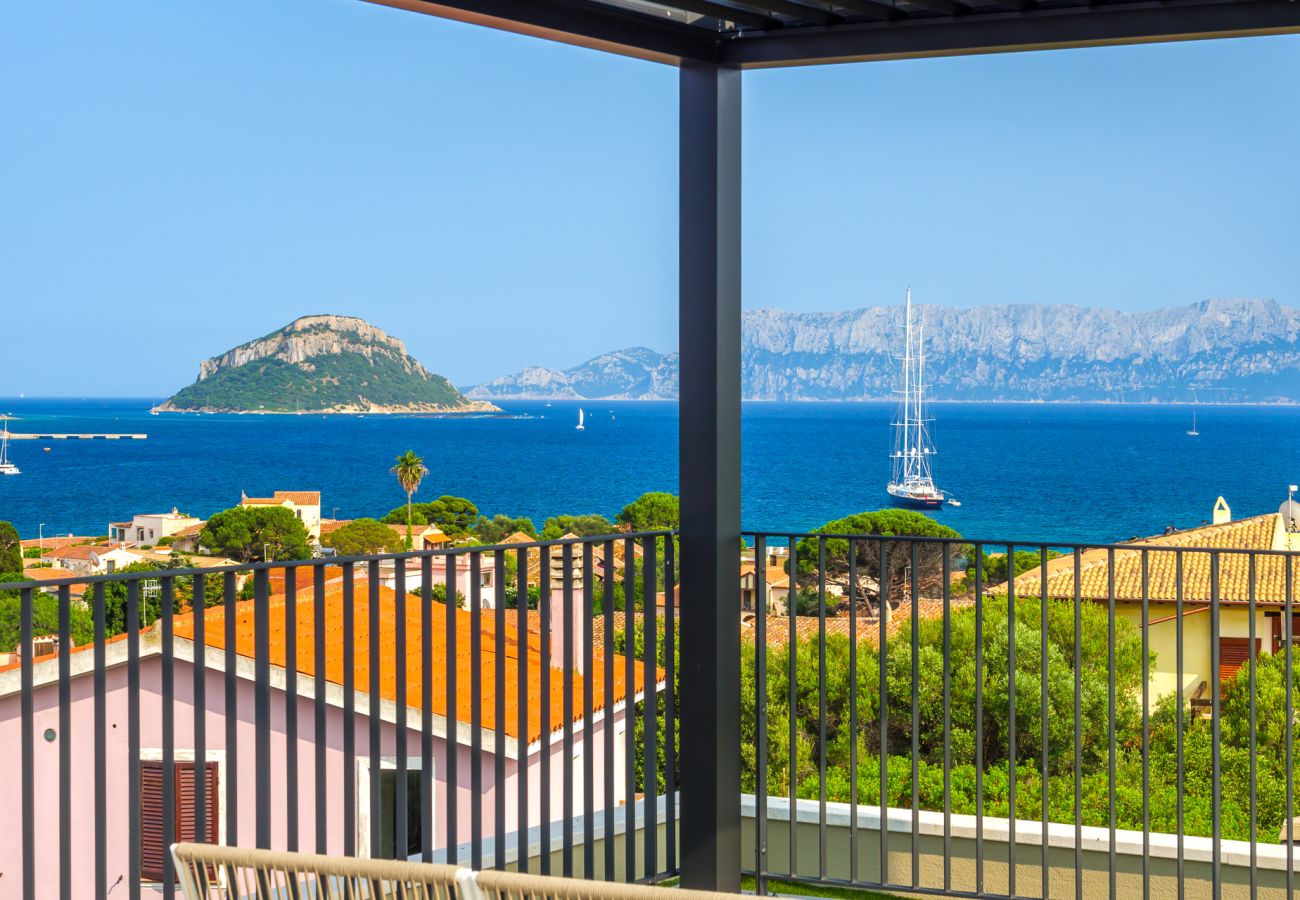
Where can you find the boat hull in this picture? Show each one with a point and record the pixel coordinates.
(915, 502)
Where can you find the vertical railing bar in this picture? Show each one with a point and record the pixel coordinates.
(792, 654)
(883, 695)
(499, 651)
(947, 717)
(1078, 725)
(229, 615)
(913, 627)
(650, 706)
(544, 709)
(670, 701)
(290, 708)
(566, 667)
(1110, 711)
(65, 734)
(321, 812)
(521, 673)
(979, 718)
(821, 707)
(629, 708)
(475, 713)
(1011, 721)
(133, 736)
(262, 705)
(1044, 711)
(760, 718)
(374, 744)
(1146, 727)
(452, 751)
(588, 714)
(167, 722)
(402, 784)
(1178, 746)
(101, 730)
(1254, 836)
(28, 750)
(853, 709)
(198, 606)
(1216, 725)
(350, 714)
(1288, 632)
(607, 607)
(426, 711)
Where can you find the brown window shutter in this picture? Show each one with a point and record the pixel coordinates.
(186, 829)
(152, 851)
(1233, 654)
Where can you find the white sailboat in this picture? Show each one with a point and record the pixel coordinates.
(581, 427)
(1192, 431)
(912, 480)
(6, 467)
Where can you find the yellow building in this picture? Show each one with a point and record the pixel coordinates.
(1154, 567)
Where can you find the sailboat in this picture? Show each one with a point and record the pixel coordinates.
(1192, 431)
(581, 427)
(912, 480)
(6, 467)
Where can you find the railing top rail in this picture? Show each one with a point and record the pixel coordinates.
(1132, 546)
(330, 561)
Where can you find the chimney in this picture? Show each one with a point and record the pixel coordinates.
(1222, 513)
(560, 624)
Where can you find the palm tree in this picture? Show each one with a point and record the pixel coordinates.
(410, 471)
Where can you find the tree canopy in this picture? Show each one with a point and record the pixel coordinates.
(11, 548)
(363, 536)
(247, 533)
(454, 515)
(499, 527)
(584, 525)
(899, 554)
(654, 511)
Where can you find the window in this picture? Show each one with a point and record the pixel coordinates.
(153, 851)
(1233, 654)
(388, 813)
(139, 534)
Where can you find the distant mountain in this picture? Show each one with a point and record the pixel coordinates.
(1217, 351)
(320, 364)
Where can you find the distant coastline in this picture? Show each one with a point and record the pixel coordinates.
(470, 407)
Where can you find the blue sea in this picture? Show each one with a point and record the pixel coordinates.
(1038, 472)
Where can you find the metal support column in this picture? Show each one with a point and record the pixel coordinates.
(709, 321)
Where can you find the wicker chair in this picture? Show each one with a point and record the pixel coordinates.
(274, 875)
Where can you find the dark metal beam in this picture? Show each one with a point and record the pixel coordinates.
(580, 22)
(943, 7)
(1041, 29)
(810, 11)
(709, 460)
(883, 11)
(725, 13)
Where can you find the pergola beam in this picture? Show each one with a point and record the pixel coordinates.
(996, 32)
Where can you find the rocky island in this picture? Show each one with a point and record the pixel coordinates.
(321, 364)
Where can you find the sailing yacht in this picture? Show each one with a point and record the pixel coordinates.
(581, 427)
(1192, 431)
(6, 467)
(912, 481)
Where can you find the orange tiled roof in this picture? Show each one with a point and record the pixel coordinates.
(83, 551)
(1255, 533)
(299, 498)
(214, 636)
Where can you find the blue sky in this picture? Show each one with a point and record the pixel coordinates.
(176, 178)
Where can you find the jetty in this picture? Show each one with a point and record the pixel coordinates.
(28, 436)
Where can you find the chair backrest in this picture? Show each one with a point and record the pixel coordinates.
(210, 872)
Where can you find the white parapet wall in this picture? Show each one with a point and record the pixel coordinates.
(960, 833)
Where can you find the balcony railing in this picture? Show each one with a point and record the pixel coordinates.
(913, 717)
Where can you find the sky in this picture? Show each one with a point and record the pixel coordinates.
(178, 178)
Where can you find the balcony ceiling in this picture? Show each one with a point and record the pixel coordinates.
(768, 33)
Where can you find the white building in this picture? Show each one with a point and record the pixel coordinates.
(304, 504)
(147, 529)
(94, 559)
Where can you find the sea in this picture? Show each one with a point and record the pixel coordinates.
(1033, 472)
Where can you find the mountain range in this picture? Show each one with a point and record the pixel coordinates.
(327, 363)
(1216, 351)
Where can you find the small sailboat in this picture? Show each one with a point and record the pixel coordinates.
(6, 467)
(581, 427)
(912, 481)
(1192, 431)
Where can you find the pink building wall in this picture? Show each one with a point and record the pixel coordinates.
(115, 768)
